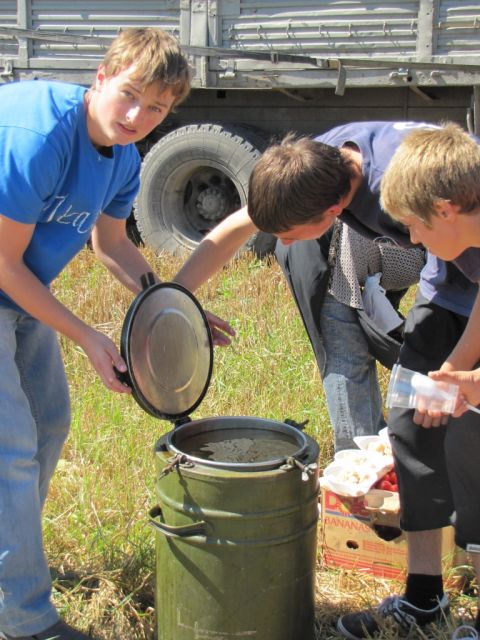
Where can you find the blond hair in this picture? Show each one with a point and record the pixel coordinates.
(430, 165)
(156, 56)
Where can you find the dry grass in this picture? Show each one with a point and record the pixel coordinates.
(99, 545)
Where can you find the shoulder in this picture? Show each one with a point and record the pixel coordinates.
(40, 119)
(365, 134)
(44, 108)
(469, 263)
(352, 132)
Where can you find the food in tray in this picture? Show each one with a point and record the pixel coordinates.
(380, 446)
(376, 446)
(353, 476)
(363, 457)
(355, 457)
(347, 480)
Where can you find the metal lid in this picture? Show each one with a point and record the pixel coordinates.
(168, 349)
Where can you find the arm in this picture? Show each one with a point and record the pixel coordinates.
(467, 351)
(457, 370)
(117, 252)
(17, 281)
(216, 249)
(468, 381)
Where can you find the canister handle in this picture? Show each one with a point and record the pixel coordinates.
(298, 425)
(184, 531)
(307, 469)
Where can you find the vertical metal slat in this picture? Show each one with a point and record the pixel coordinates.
(24, 44)
(427, 15)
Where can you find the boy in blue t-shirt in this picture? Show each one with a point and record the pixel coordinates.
(297, 190)
(69, 169)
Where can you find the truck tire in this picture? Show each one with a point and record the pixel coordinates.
(193, 178)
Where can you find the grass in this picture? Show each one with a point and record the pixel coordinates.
(99, 545)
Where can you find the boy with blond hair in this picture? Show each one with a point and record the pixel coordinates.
(432, 187)
(69, 171)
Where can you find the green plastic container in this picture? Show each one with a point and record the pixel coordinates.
(236, 539)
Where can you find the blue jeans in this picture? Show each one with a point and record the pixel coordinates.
(348, 370)
(349, 375)
(34, 422)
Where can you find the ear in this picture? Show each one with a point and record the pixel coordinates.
(446, 210)
(334, 211)
(100, 77)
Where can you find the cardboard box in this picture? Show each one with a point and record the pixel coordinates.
(349, 540)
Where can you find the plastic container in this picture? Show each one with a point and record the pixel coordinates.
(348, 481)
(411, 390)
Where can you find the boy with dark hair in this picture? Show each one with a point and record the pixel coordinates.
(297, 190)
(447, 293)
(69, 169)
(283, 189)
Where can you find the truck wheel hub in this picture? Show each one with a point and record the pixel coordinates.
(212, 203)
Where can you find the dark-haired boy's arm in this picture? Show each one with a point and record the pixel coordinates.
(216, 249)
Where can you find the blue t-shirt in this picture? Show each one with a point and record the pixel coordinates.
(52, 176)
(452, 285)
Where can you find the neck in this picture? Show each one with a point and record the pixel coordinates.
(92, 129)
(354, 157)
(469, 225)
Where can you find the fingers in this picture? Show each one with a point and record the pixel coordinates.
(220, 339)
(440, 375)
(461, 407)
(110, 375)
(220, 329)
(430, 419)
(107, 361)
(112, 368)
(223, 325)
(114, 383)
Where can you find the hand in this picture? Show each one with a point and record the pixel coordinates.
(469, 383)
(220, 329)
(430, 418)
(104, 356)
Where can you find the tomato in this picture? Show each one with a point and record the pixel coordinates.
(386, 485)
(391, 476)
(388, 482)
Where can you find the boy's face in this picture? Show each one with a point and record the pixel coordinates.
(441, 238)
(121, 112)
(311, 230)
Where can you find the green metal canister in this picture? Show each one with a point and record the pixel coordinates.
(238, 496)
(236, 541)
